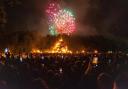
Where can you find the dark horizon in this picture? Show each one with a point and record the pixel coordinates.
(24, 22)
(63, 44)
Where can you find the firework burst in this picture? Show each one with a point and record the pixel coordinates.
(65, 22)
(60, 21)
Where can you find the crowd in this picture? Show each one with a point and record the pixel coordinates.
(57, 71)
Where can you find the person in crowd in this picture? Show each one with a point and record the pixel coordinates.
(121, 82)
(3, 84)
(105, 81)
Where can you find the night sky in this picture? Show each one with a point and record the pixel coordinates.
(93, 17)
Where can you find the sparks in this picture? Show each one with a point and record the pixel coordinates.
(65, 22)
(51, 11)
(60, 21)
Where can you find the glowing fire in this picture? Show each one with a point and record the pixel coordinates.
(59, 47)
(36, 51)
(95, 60)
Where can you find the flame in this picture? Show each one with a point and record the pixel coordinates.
(36, 51)
(59, 47)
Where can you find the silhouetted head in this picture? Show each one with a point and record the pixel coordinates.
(3, 85)
(121, 81)
(105, 81)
